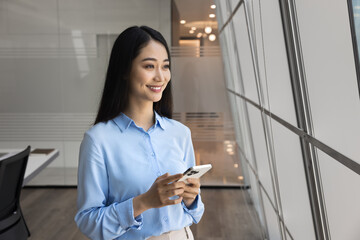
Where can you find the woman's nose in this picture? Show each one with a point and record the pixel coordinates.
(159, 75)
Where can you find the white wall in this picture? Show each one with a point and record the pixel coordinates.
(53, 59)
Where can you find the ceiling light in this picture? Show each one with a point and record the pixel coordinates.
(191, 31)
(199, 35)
(212, 37)
(211, 15)
(208, 30)
(236, 165)
(240, 177)
(193, 28)
(182, 21)
(213, 6)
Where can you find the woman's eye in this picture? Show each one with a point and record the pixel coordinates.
(149, 66)
(167, 66)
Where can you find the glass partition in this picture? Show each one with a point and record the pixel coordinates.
(354, 12)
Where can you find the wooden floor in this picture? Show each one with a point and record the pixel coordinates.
(49, 214)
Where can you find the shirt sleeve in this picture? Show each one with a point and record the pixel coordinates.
(95, 218)
(197, 208)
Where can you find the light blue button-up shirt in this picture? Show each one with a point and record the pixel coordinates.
(118, 161)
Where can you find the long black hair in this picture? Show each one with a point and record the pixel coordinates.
(115, 97)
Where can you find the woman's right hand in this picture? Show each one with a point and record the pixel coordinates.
(158, 195)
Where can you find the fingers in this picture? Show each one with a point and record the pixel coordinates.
(163, 176)
(194, 182)
(174, 192)
(168, 179)
(187, 195)
(174, 185)
(190, 192)
(192, 189)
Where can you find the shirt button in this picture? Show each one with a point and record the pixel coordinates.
(165, 219)
(152, 154)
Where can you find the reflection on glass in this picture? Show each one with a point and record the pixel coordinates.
(354, 8)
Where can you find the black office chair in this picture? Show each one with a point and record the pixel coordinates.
(12, 222)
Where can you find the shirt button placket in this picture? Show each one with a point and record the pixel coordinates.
(153, 157)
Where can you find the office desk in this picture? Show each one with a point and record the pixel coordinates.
(36, 163)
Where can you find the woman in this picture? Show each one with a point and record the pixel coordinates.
(132, 157)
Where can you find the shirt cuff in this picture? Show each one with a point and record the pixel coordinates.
(192, 207)
(125, 211)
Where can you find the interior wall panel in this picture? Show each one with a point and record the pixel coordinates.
(330, 72)
(246, 132)
(235, 69)
(292, 182)
(342, 197)
(244, 51)
(271, 219)
(260, 148)
(273, 61)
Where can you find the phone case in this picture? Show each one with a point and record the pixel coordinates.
(195, 172)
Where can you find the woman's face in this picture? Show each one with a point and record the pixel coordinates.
(149, 73)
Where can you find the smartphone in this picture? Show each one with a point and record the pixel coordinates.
(195, 172)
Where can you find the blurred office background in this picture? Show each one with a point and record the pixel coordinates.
(269, 89)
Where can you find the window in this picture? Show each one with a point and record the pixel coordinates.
(354, 13)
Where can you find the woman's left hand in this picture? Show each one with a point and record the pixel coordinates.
(192, 189)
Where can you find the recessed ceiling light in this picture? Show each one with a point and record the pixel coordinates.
(199, 35)
(193, 28)
(182, 21)
(213, 6)
(191, 31)
(208, 30)
(212, 37)
(211, 15)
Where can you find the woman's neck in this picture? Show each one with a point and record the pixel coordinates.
(143, 115)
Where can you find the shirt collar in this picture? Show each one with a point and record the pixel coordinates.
(124, 121)
(159, 120)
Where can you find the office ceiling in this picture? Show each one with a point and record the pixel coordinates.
(196, 14)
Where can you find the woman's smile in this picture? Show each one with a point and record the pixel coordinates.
(155, 88)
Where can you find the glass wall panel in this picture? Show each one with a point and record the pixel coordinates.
(354, 12)
(292, 183)
(225, 11)
(235, 68)
(244, 51)
(254, 192)
(237, 125)
(261, 155)
(220, 20)
(246, 132)
(330, 72)
(226, 61)
(271, 219)
(273, 61)
(233, 4)
(342, 198)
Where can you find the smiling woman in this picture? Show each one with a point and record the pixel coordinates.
(132, 157)
(149, 76)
